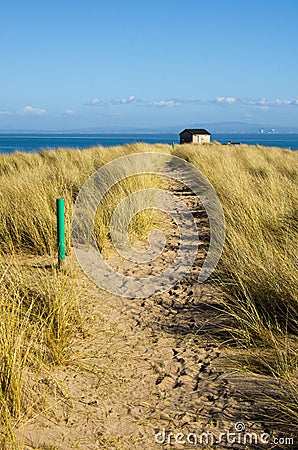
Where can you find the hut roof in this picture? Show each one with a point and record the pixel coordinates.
(196, 131)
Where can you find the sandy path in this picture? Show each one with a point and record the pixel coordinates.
(152, 365)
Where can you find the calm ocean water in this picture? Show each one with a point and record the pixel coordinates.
(35, 142)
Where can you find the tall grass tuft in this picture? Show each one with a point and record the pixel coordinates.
(30, 184)
(258, 269)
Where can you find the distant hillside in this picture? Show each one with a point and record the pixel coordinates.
(214, 127)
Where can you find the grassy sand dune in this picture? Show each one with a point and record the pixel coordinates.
(45, 321)
(30, 184)
(258, 188)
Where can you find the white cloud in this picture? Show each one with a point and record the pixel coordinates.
(172, 103)
(176, 102)
(166, 103)
(283, 102)
(260, 103)
(247, 101)
(94, 101)
(225, 100)
(271, 103)
(70, 112)
(127, 100)
(123, 101)
(5, 113)
(30, 110)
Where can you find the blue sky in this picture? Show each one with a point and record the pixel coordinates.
(135, 64)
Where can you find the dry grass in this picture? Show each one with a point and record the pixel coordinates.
(40, 306)
(258, 269)
(30, 184)
(40, 318)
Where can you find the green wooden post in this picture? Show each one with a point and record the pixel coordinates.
(173, 145)
(60, 230)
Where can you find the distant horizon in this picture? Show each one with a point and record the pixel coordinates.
(215, 128)
(36, 141)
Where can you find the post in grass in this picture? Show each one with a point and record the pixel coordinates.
(60, 231)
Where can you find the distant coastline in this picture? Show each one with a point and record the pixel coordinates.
(32, 142)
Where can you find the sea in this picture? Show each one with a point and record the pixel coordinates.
(35, 142)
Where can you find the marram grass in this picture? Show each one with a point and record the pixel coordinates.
(258, 188)
(30, 184)
(258, 270)
(40, 307)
